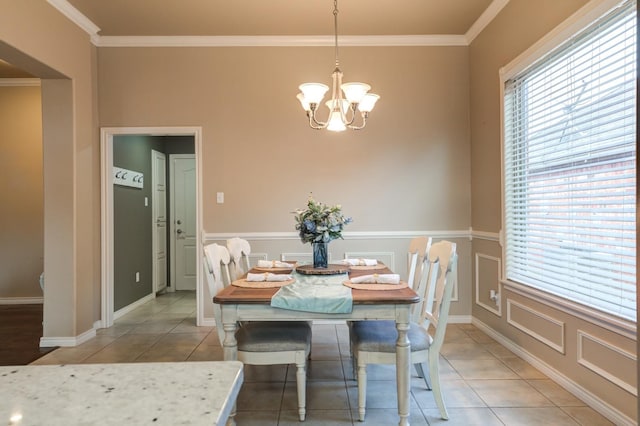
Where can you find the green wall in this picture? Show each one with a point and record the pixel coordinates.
(132, 219)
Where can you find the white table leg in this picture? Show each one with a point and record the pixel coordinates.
(403, 371)
(230, 347)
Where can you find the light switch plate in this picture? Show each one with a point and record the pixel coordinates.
(220, 197)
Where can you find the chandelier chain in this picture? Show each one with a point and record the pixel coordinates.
(335, 27)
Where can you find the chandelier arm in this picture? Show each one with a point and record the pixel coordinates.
(315, 124)
(365, 115)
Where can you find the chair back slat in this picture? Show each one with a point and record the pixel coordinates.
(451, 277)
(239, 250)
(216, 269)
(418, 247)
(431, 289)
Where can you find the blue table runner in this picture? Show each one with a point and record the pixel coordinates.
(315, 293)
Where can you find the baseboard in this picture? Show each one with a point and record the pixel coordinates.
(132, 306)
(572, 387)
(49, 342)
(460, 319)
(208, 322)
(21, 300)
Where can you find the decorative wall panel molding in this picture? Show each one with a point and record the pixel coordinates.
(592, 400)
(550, 330)
(591, 354)
(486, 259)
(612, 323)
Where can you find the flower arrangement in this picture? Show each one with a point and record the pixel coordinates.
(319, 223)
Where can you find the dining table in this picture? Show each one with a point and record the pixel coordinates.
(238, 304)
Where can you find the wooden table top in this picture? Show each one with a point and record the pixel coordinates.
(235, 295)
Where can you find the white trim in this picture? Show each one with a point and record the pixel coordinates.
(49, 342)
(497, 310)
(460, 319)
(556, 37)
(280, 41)
(484, 235)
(601, 371)
(364, 235)
(106, 226)
(68, 10)
(485, 19)
(123, 311)
(19, 82)
(618, 325)
(64, 7)
(608, 411)
(522, 327)
(21, 300)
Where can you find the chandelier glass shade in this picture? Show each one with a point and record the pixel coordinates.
(348, 100)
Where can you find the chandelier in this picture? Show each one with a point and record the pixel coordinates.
(346, 99)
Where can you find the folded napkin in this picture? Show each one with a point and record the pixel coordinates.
(360, 262)
(268, 276)
(377, 279)
(273, 264)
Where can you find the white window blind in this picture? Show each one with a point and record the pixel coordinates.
(570, 168)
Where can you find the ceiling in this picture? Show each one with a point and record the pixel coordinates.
(450, 21)
(280, 17)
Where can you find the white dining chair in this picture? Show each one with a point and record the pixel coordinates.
(239, 250)
(262, 342)
(418, 247)
(374, 342)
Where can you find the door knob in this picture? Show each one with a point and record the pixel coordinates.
(179, 231)
(178, 222)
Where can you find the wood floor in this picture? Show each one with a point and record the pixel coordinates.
(20, 332)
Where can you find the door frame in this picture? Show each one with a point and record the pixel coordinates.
(154, 233)
(106, 222)
(172, 224)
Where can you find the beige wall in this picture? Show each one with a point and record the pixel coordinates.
(553, 336)
(408, 170)
(38, 39)
(21, 192)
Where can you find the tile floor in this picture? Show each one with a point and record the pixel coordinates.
(483, 382)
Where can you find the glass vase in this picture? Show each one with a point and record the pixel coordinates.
(320, 254)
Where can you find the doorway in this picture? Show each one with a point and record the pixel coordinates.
(108, 227)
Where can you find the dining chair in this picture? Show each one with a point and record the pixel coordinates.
(374, 342)
(239, 250)
(418, 247)
(262, 342)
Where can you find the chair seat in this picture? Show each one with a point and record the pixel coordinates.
(274, 336)
(381, 336)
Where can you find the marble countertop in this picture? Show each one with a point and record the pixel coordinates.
(161, 393)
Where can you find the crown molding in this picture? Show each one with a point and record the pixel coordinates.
(73, 14)
(487, 16)
(64, 7)
(279, 41)
(11, 82)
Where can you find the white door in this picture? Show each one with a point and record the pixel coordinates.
(183, 221)
(159, 220)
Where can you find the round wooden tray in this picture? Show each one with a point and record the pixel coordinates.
(331, 269)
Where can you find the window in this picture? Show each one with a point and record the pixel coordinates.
(570, 168)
